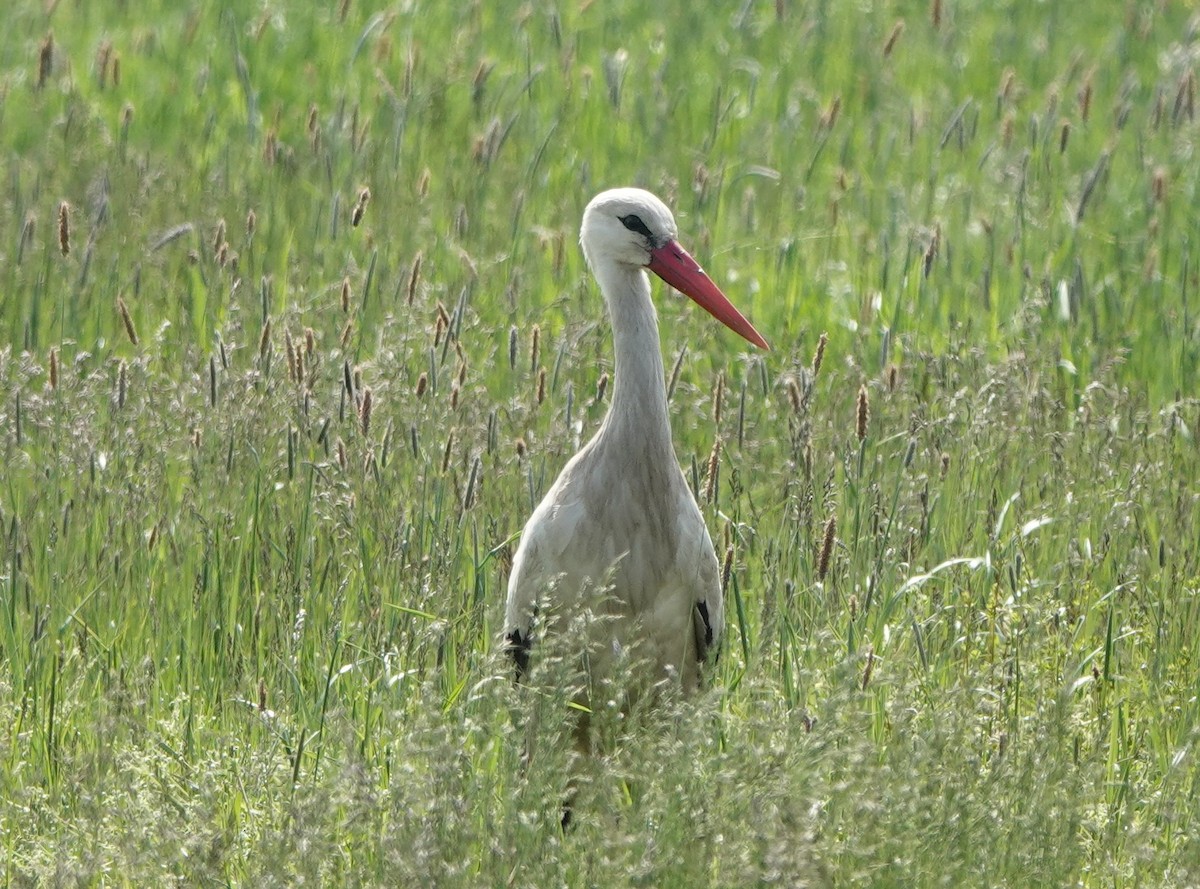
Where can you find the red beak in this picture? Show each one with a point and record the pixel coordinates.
(675, 266)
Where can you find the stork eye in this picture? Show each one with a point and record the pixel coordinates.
(635, 224)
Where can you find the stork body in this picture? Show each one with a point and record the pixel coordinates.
(619, 532)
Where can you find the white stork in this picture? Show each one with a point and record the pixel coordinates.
(620, 532)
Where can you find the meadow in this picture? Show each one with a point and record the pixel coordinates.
(295, 331)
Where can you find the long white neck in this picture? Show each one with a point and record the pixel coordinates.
(637, 418)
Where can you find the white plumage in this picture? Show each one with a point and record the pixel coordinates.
(619, 532)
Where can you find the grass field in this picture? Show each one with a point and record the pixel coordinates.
(263, 467)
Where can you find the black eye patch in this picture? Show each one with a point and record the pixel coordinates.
(635, 224)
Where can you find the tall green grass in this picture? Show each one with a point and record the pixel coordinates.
(248, 629)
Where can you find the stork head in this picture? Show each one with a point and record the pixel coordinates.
(631, 227)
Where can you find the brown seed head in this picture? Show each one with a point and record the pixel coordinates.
(795, 396)
(364, 411)
(897, 30)
(521, 448)
(251, 223)
(827, 541)
(53, 368)
(346, 294)
(935, 14)
(601, 387)
(422, 385)
(291, 354)
(893, 375)
(64, 228)
(1160, 185)
(534, 347)
(127, 320)
(414, 277)
(541, 385)
(866, 680)
(819, 355)
(862, 413)
(264, 339)
(45, 59)
(1064, 133)
(714, 467)
(727, 568)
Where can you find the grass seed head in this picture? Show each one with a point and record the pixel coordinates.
(53, 368)
(264, 339)
(414, 277)
(827, 541)
(364, 411)
(541, 385)
(219, 236)
(291, 354)
(521, 448)
(45, 59)
(862, 413)
(893, 375)
(251, 222)
(819, 355)
(1064, 133)
(1159, 185)
(601, 387)
(310, 341)
(127, 320)
(727, 568)
(364, 196)
(935, 14)
(512, 347)
(897, 30)
(795, 396)
(447, 452)
(122, 383)
(64, 228)
(346, 294)
(422, 384)
(869, 668)
(714, 467)
(534, 346)
(1085, 97)
(341, 453)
